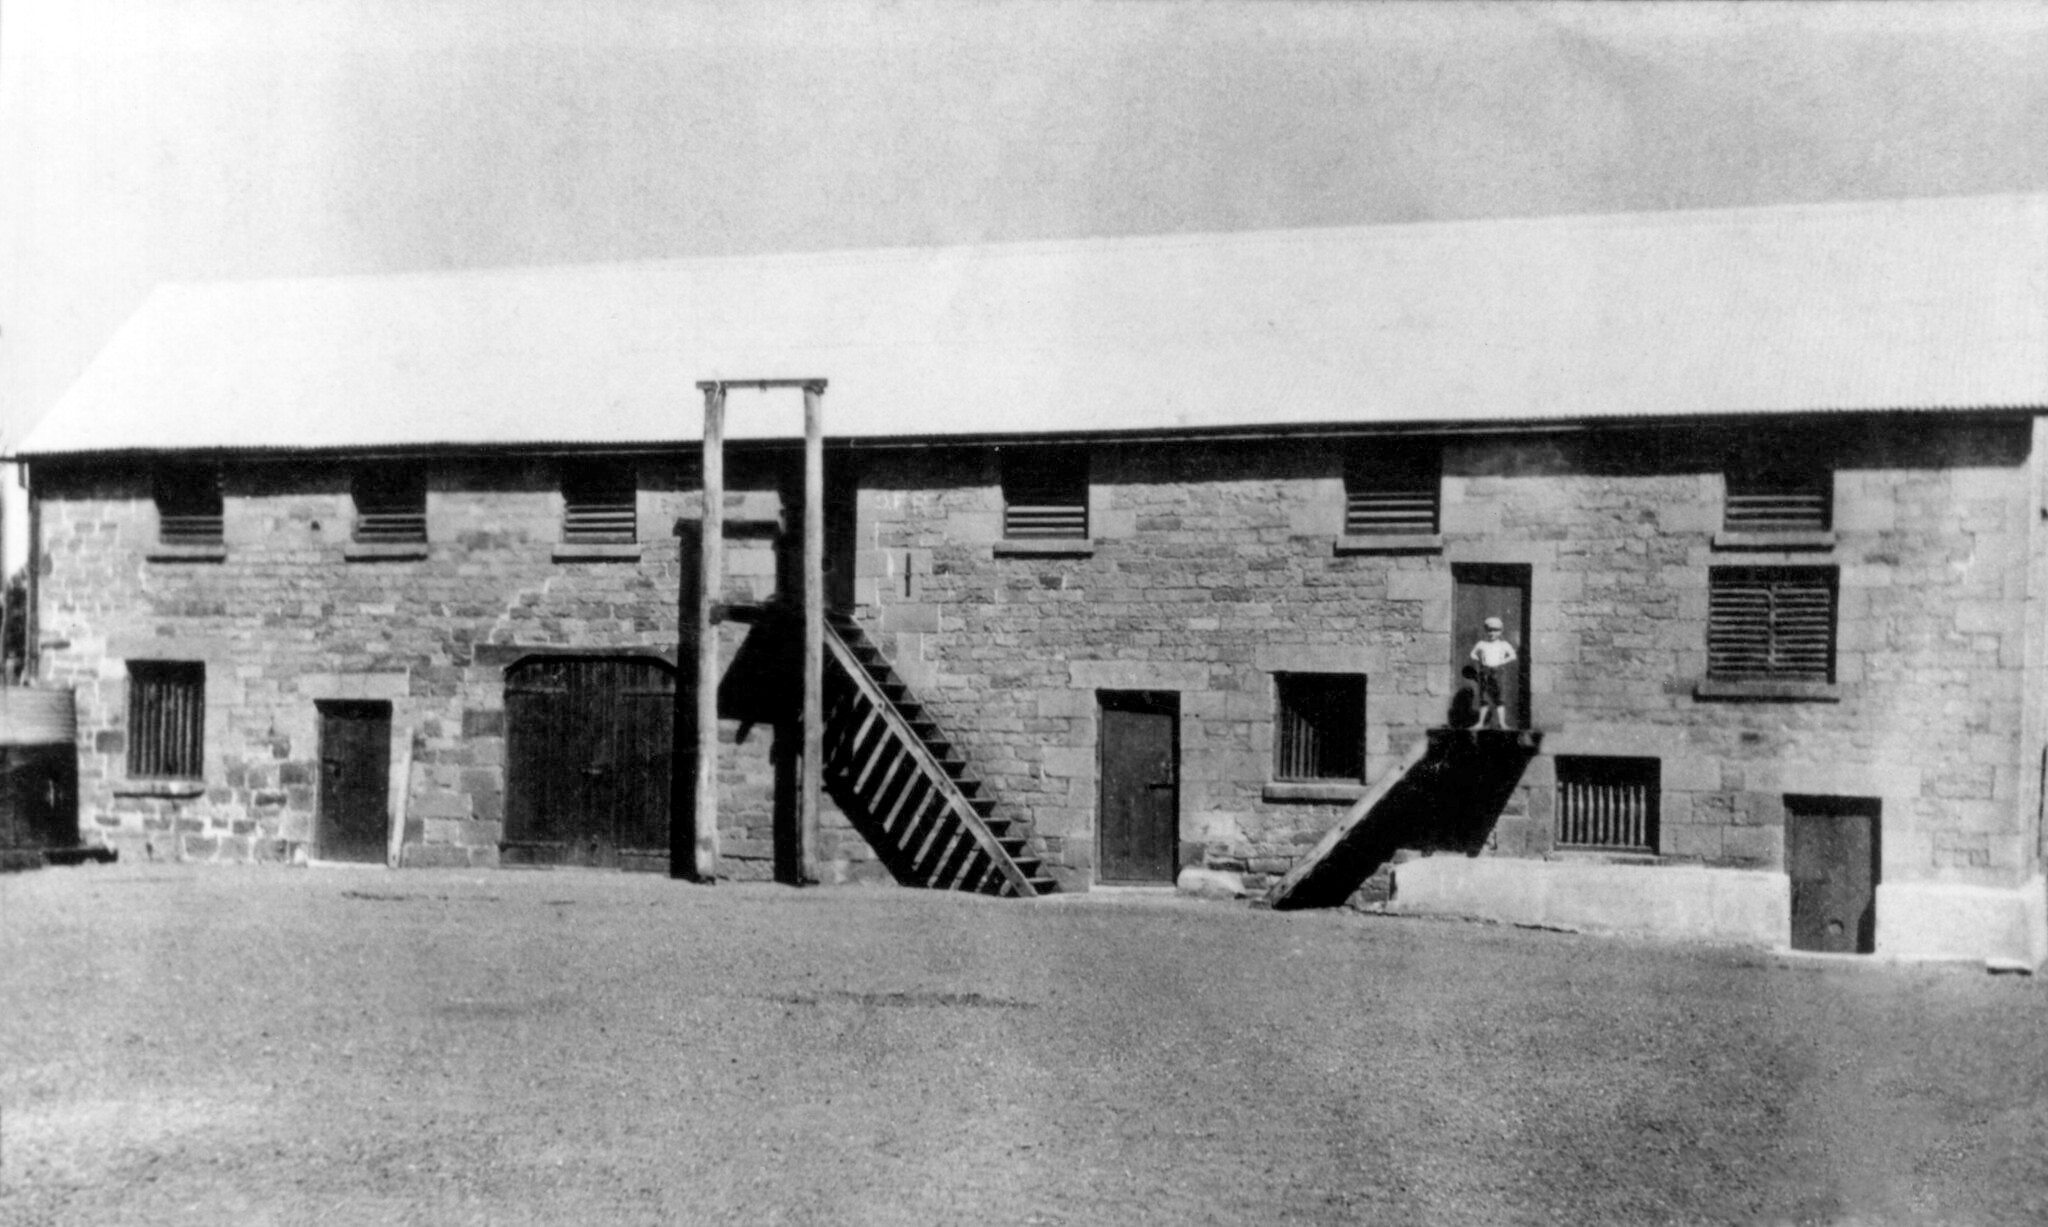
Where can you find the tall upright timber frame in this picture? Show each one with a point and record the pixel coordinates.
(711, 583)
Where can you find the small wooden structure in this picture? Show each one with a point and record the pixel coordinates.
(703, 808)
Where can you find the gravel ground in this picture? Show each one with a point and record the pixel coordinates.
(269, 1045)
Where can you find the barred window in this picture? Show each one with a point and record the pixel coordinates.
(188, 506)
(166, 719)
(391, 505)
(599, 503)
(1780, 494)
(1319, 729)
(1045, 493)
(1607, 803)
(1392, 487)
(1771, 623)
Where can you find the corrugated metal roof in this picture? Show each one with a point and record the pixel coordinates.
(1890, 305)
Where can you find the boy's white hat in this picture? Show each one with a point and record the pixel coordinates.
(1493, 624)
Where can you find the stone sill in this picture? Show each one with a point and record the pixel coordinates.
(1391, 543)
(217, 552)
(180, 789)
(383, 551)
(1731, 688)
(1774, 541)
(1302, 791)
(1052, 547)
(623, 551)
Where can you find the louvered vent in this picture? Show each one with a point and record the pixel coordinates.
(391, 507)
(1766, 501)
(1772, 623)
(1045, 494)
(188, 507)
(599, 504)
(1392, 489)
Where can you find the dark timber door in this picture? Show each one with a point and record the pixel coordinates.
(1491, 590)
(355, 780)
(1831, 854)
(589, 745)
(1140, 801)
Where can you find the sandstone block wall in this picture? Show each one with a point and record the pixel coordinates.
(287, 618)
(1212, 567)
(1215, 566)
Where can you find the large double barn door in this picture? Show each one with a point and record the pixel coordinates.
(589, 742)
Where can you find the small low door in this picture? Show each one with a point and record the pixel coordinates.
(354, 813)
(1831, 855)
(1140, 787)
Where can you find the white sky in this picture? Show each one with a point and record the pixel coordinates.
(167, 140)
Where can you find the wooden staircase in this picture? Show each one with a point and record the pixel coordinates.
(905, 787)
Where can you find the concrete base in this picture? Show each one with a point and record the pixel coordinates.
(2003, 926)
(1933, 920)
(1688, 902)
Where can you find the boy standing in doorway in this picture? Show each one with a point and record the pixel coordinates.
(1492, 654)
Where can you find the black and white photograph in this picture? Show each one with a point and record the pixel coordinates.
(929, 612)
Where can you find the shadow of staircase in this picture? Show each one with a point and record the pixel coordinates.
(1445, 795)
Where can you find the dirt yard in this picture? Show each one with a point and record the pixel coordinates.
(269, 1045)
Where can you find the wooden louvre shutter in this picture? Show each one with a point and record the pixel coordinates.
(1778, 498)
(1392, 488)
(1774, 623)
(599, 504)
(391, 506)
(166, 719)
(188, 506)
(1045, 493)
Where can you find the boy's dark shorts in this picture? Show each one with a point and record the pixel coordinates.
(1489, 686)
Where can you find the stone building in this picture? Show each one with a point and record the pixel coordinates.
(1179, 543)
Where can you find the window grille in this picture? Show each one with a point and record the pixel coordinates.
(166, 719)
(1392, 488)
(1607, 803)
(1045, 493)
(391, 506)
(1773, 623)
(188, 507)
(1778, 498)
(600, 504)
(1319, 729)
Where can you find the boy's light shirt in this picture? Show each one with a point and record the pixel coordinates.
(1493, 653)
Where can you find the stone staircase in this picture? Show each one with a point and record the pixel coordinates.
(905, 787)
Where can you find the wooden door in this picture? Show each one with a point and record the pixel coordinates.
(589, 755)
(1479, 592)
(1139, 811)
(354, 814)
(1831, 855)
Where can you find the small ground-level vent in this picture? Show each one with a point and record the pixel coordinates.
(1607, 803)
